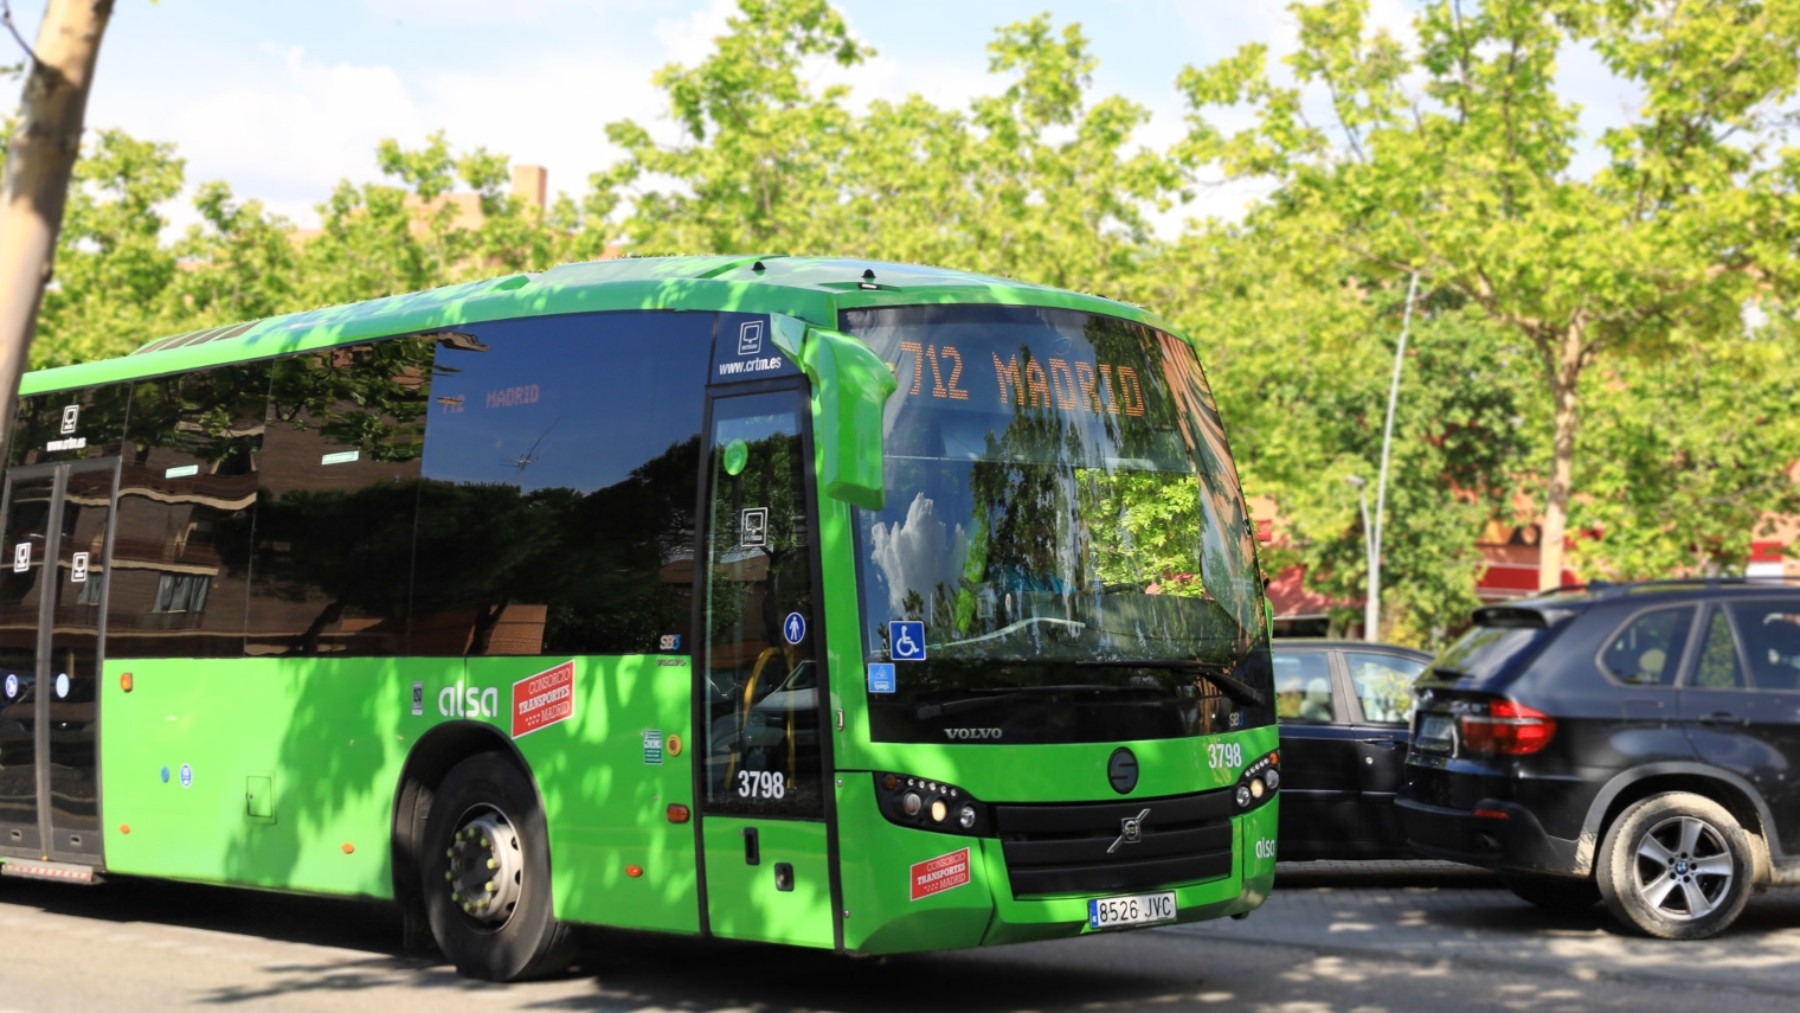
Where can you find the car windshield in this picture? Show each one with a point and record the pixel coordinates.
(1063, 522)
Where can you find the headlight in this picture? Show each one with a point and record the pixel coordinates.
(924, 804)
(1256, 785)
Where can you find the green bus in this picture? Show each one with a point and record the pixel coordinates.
(848, 605)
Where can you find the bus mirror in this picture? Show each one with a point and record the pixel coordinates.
(851, 385)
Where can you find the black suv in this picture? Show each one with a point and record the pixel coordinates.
(1636, 744)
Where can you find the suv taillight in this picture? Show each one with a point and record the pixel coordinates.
(1507, 728)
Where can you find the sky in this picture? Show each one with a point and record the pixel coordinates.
(282, 100)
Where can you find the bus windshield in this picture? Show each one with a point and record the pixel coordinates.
(1064, 520)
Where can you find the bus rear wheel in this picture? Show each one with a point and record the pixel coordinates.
(486, 874)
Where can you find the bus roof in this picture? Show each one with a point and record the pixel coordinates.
(811, 288)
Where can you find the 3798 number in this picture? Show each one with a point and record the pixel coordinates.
(761, 784)
(1225, 754)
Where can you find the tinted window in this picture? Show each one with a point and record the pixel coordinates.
(557, 511)
(1383, 684)
(1719, 667)
(1646, 650)
(745, 351)
(762, 712)
(331, 571)
(1303, 685)
(187, 489)
(1771, 632)
(71, 425)
(1485, 652)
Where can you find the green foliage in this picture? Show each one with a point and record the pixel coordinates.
(111, 265)
(1693, 450)
(1473, 185)
(1570, 286)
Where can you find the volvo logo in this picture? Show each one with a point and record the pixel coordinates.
(1130, 830)
(971, 734)
(1122, 771)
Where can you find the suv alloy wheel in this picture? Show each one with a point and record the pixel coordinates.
(1676, 866)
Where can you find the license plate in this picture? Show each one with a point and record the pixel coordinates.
(1118, 912)
(1437, 734)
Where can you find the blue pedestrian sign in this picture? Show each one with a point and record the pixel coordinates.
(906, 640)
(881, 677)
(794, 627)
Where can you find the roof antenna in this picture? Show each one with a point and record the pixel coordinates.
(868, 279)
(758, 266)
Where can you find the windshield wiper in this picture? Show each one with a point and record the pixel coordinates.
(989, 697)
(1231, 685)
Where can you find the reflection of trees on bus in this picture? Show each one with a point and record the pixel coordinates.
(763, 708)
(486, 568)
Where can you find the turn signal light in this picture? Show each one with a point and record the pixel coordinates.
(678, 813)
(125, 682)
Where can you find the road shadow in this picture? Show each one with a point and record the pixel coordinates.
(1397, 874)
(615, 970)
(370, 926)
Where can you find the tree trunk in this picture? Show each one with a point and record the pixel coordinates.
(1564, 386)
(39, 162)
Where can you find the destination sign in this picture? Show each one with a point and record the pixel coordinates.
(1019, 379)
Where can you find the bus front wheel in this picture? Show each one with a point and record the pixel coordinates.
(486, 874)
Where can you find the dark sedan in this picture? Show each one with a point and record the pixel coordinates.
(1343, 706)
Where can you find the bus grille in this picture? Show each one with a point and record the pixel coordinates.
(1090, 848)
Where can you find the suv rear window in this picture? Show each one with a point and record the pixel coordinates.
(1486, 652)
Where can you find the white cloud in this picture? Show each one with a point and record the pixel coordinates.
(918, 553)
(302, 126)
(689, 40)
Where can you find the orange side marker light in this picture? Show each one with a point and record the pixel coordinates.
(349, 848)
(125, 682)
(678, 813)
(634, 871)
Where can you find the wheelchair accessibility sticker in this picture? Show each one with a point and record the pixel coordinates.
(906, 640)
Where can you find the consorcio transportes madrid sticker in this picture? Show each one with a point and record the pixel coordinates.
(935, 875)
(541, 700)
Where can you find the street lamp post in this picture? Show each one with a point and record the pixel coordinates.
(1372, 604)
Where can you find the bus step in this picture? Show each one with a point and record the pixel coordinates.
(62, 872)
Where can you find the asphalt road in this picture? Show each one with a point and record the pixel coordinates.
(1392, 936)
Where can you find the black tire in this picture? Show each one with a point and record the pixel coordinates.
(1676, 866)
(485, 874)
(1553, 893)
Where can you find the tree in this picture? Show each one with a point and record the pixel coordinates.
(40, 158)
(113, 270)
(1035, 182)
(1301, 356)
(1691, 455)
(1477, 184)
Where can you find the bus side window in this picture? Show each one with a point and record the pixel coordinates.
(556, 515)
(187, 498)
(337, 499)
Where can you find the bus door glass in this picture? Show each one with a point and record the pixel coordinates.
(51, 609)
(760, 685)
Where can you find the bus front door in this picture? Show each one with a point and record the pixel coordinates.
(761, 687)
(52, 594)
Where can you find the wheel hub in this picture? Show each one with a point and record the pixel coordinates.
(485, 873)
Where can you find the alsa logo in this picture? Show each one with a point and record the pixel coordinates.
(972, 734)
(471, 702)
